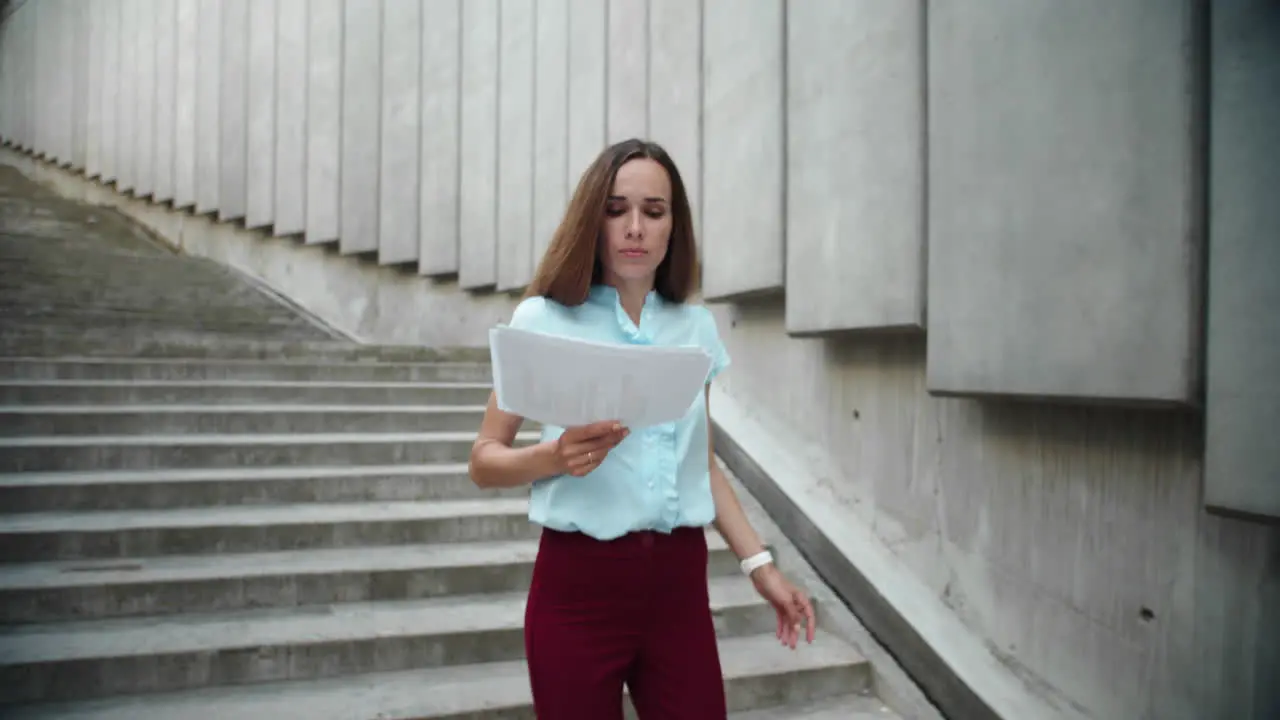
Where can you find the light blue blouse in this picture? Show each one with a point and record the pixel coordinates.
(658, 477)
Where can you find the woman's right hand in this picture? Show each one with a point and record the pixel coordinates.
(581, 449)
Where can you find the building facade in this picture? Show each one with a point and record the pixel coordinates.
(1000, 275)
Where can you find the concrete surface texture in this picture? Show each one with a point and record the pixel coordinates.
(1242, 470)
(1060, 219)
(284, 537)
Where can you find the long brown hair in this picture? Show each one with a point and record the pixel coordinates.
(572, 263)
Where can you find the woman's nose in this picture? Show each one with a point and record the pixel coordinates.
(633, 224)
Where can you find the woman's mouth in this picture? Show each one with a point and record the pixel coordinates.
(633, 253)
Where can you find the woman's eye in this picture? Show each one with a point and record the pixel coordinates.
(656, 214)
(614, 211)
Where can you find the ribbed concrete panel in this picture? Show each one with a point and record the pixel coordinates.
(233, 111)
(145, 107)
(108, 113)
(628, 84)
(166, 34)
(324, 120)
(290, 183)
(855, 166)
(81, 61)
(127, 137)
(551, 186)
(186, 84)
(515, 144)
(675, 89)
(401, 131)
(1242, 459)
(1067, 266)
(361, 113)
(744, 108)
(208, 71)
(93, 86)
(438, 166)
(260, 175)
(479, 145)
(588, 57)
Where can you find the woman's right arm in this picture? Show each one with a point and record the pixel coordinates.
(496, 464)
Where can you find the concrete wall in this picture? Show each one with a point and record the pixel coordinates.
(1034, 170)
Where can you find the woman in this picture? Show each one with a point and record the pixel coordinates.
(619, 592)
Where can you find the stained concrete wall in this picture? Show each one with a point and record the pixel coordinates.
(1071, 540)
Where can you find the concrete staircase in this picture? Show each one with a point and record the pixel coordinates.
(213, 508)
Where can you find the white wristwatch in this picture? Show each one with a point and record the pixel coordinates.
(755, 562)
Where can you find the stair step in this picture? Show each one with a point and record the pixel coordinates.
(757, 672)
(64, 392)
(165, 489)
(228, 369)
(845, 707)
(131, 452)
(29, 420)
(38, 537)
(88, 659)
(192, 346)
(154, 586)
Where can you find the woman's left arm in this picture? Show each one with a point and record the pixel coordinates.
(791, 603)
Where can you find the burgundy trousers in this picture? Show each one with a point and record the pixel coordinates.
(630, 611)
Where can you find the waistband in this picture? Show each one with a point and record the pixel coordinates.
(636, 538)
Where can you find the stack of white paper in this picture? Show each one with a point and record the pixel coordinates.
(563, 382)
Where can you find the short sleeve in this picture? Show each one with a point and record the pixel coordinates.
(530, 314)
(709, 338)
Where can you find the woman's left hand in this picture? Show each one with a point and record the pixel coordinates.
(789, 602)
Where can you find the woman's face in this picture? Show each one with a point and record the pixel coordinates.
(637, 222)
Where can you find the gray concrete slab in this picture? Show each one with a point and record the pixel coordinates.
(518, 29)
(31, 368)
(208, 78)
(628, 70)
(33, 392)
(478, 200)
(166, 35)
(26, 421)
(170, 489)
(186, 46)
(361, 126)
(855, 253)
(63, 453)
(233, 110)
(756, 670)
(80, 59)
(261, 115)
(1069, 266)
(398, 189)
(588, 58)
(43, 537)
(743, 152)
(551, 184)
(126, 99)
(176, 585)
(92, 58)
(324, 121)
(86, 659)
(145, 99)
(1242, 403)
(290, 183)
(675, 90)
(441, 97)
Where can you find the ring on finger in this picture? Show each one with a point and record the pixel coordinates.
(589, 458)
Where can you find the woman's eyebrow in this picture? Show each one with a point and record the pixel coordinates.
(654, 199)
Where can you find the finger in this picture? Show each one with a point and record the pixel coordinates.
(811, 619)
(782, 624)
(594, 430)
(597, 448)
